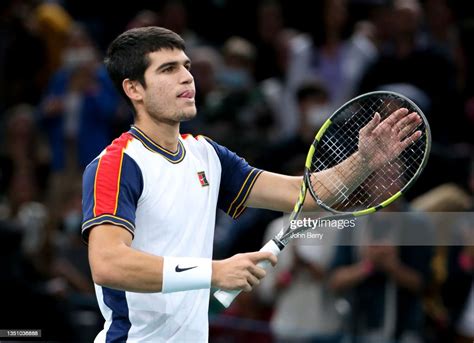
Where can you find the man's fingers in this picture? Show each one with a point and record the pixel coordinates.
(407, 125)
(253, 280)
(372, 124)
(395, 117)
(406, 131)
(407, 120)
(257, 271)
(409, 140)
(251, 269)
(247, 288)
(259, 256)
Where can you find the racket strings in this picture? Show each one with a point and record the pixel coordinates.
(341, 140)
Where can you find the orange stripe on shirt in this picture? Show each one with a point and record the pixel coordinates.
(107, 178)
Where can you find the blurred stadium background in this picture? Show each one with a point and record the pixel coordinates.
(267, 74)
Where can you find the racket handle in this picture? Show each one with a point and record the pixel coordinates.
(227, 297)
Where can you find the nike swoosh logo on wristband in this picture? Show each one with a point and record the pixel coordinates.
(179, 270)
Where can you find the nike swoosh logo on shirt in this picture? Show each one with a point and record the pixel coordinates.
(178, 269)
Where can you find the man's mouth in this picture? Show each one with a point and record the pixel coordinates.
(189, 94)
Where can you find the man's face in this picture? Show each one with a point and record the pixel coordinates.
(170, 90)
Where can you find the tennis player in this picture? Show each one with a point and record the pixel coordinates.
(150, 199)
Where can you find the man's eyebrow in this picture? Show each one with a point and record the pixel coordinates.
(173, 64)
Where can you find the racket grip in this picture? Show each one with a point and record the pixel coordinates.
(227, 297)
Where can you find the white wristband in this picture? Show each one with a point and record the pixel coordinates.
(186, 273)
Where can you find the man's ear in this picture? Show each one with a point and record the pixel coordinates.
(133, 89)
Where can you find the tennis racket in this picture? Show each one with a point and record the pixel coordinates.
(365, 156)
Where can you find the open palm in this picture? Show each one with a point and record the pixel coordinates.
(382, 141)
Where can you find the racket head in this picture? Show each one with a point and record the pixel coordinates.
(337, 139)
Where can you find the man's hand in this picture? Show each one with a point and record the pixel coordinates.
(381, 142)
(240, 272)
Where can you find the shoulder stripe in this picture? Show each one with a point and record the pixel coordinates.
(109, 219)
(240, 191)
(113, 219)
(236, 210)
(242, 210)
(107, 177)
(240, 207)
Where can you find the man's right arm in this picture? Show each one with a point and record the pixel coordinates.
(115, 264)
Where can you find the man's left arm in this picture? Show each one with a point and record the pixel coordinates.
(277, 192)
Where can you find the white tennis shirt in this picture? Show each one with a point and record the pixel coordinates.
(168, 203)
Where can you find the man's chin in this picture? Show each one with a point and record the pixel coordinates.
(187, 116)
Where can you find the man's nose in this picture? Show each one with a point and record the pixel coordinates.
(187, 76)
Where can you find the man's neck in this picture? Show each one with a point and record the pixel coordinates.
(164, 134)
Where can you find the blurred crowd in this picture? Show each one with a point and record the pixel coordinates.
(268, 74)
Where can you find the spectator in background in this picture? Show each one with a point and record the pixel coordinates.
(239, 58)
(77, 113)
(293, 55)
(79, 105)
(458, 289)
(243, 106)
(445, 203)
(338, 60)
(53, 24)
(384, 284)
(313, 109)
(304, 309)
(405, 59)
(384, 281)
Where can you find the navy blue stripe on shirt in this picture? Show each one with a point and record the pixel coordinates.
(103, 219)
(126, 197)
(237, 180)
(117, 302)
